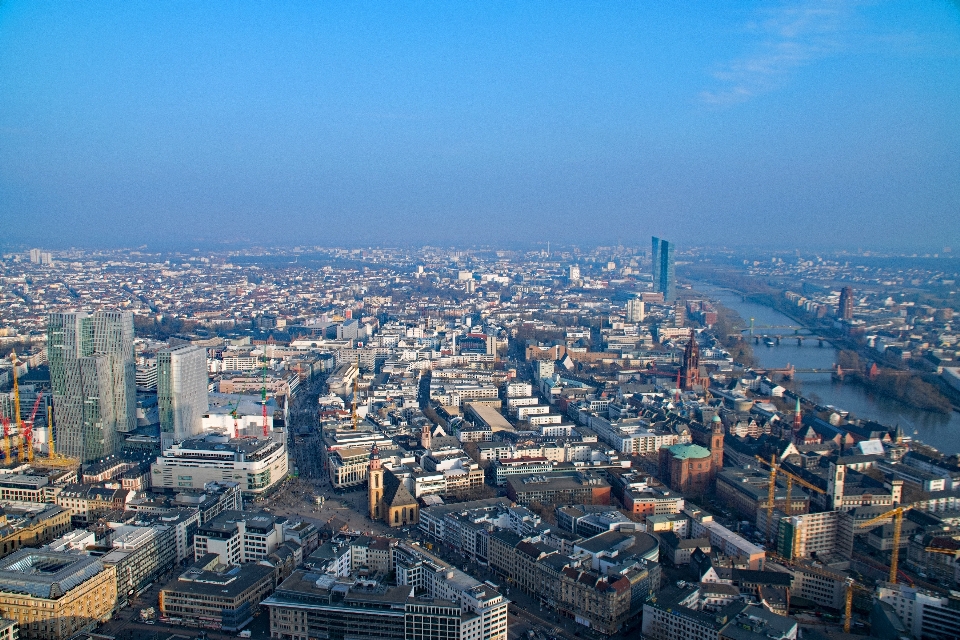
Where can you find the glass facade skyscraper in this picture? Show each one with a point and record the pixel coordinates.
(92, 376)
(664, 271)
(668, 278)
(655, 263)
(182, 385)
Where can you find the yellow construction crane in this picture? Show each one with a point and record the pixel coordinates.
(771, 491)
(53, 459)
(848, 606)
(852, 586)
(16, 408)
(897, 515)
(848, 603)
(50, 430)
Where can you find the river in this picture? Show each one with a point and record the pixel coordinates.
(935, 429)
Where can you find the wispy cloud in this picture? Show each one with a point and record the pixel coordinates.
(786, 38)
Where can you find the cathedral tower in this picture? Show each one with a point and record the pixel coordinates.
(691, 363)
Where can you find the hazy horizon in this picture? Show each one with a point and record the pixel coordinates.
(821, 125)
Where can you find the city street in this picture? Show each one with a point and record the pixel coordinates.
(123, 627)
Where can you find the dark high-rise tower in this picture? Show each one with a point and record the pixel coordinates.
(665, 279)
(845, 308)
(655, 263)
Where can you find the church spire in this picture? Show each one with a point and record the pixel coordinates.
(797, 419)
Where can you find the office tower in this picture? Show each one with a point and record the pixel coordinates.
(574, 273)
(35, 256)
(182, 386)
(92, 375)
(655, 263)
(845, 308)
(667, 283)
(635, 310)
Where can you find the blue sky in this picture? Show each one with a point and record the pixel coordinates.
(798, 123)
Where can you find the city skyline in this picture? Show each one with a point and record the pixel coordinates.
(828, 123)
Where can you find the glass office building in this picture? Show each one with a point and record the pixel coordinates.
(182, 385)
(92, 376)
(663, 269)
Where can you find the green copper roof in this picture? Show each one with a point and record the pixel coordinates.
(685, 451)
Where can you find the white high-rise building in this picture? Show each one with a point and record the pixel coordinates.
(182, 387)
(635, 310)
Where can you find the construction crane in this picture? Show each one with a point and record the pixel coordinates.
(897, 515)
(771, 491)
(6, 438)
(848, 606)
(16, 407)
(852, 586)
(233, 412)
(52, 455)
(53, 460)
(28, 430)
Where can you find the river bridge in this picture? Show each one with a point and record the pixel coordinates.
(788, 372)
(771, 340)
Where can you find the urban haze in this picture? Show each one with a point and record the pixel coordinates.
(497, 322)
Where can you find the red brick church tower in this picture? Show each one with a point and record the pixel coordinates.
(691, 363)
(716, 445)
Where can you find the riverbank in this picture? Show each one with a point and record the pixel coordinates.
(728, 330)
(903, 385)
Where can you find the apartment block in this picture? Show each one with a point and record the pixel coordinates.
(238, 537)
(829, 532)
